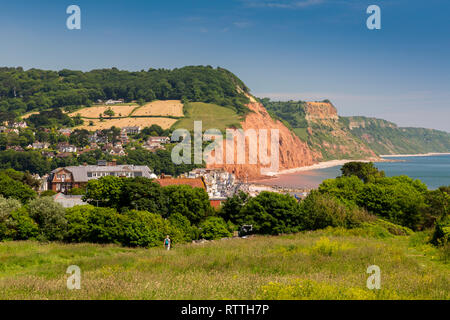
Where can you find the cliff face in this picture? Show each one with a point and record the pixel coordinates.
(293, 152)
(320, 111)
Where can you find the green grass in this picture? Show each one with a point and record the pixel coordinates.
(328, 264)
(211, 115)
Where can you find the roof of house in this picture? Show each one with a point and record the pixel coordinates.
(194, 183)
(80, 172)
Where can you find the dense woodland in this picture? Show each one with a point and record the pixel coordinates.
(36, 90)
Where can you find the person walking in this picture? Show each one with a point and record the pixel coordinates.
(167, 242)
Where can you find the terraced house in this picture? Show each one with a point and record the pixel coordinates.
(64, 179)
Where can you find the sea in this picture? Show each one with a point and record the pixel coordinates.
(433, 170)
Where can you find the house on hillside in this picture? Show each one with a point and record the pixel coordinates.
(64, 179)
(65, 147)
(161, 140)
(40, 145)
(132, 130)
(65, 132)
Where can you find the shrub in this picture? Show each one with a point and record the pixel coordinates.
(10, 188)
(47, 193)
(193, 203)
(322, 210)
(144, 229)
(77, 191)
(181, 229)
(214, 228)
(23, 227)
(49, 215)
(441, 235)
(131, 228)
(7, 206)
(271, 213)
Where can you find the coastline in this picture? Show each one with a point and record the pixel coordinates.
(320, 165)
(415, 155)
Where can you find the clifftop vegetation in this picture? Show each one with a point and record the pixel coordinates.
(35, 90)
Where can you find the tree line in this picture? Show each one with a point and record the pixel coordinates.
(37, 90)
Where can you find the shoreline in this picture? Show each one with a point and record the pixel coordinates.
(320, 165)
(429, 154)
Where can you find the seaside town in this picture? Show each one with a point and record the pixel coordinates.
(114, 143)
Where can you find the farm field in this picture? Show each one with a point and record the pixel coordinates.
(164, 123)
(95, 111)
(172, 108)
(326, 264)
(211, 115)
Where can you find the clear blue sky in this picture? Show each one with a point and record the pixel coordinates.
(284, 49)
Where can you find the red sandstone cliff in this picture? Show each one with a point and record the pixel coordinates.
(293, 152)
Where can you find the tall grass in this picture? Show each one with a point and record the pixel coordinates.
(328, 264)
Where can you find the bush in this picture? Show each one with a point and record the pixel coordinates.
(47, 193)
(23, 227)
(193, 203)
(49, 215)
(271, 213)
(7, 206)
(322, 210)
(214, 228)
(181, 229)
(77, 191)
(131, 228)
(441, 235)
(10, 188)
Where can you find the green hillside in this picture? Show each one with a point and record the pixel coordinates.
(386, 138)
(35, 90)
(211, 115)
(355, 137)
(330, 136)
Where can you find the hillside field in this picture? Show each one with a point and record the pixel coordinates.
(327, 264)
(96, 111)
(172, 108)
(211, 115)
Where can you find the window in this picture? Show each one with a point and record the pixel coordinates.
(138, 174)
(89, 174)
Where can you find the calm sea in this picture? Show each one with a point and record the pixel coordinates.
(434, 171)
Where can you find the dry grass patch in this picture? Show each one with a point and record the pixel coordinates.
(172, 108)
(164, 123)
(95, 111)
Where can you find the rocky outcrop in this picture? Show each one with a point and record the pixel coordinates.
(320, 111)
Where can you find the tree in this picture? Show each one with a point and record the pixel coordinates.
(10, 188)
(363, 170)
(109, 112)
(214, 228)
(271, 213)
(193, 203)
(143, 194)
(104, 192)
(230, 210)
(50, 216)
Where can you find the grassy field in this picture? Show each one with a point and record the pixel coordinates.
(96, 111)
(172, 108)
(329, 264)
(211, 115)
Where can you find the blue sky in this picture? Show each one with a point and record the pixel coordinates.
(284, 49)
